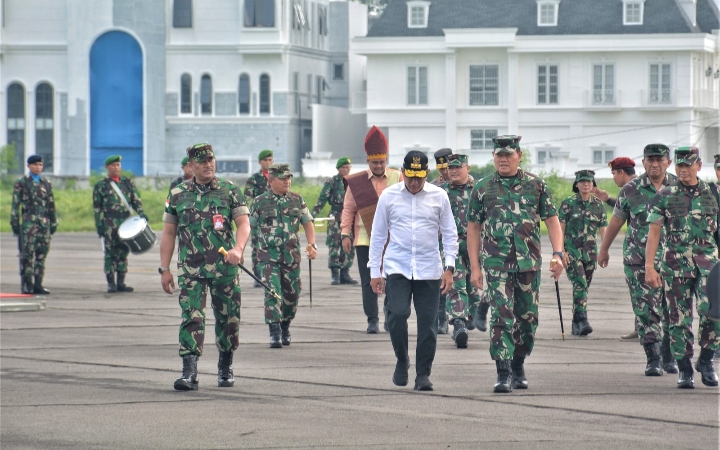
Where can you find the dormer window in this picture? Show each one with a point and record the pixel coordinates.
(633, 12)
(417, 13)
(547, 12)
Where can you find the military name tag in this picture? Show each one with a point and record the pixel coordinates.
(218, 222)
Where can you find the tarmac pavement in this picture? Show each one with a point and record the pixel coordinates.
(96, 370)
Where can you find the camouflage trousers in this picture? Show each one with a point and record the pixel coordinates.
(337, 257)
(463, 299)
(649, 306)
(514, 300)
(116, 253)
(35, 247)
(225, 298)
(285, 280)
(253, 255)
(680, 293)
(580, 274)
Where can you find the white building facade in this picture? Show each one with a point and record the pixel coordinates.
(583, 81)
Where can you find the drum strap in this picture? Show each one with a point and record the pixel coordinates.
(122, 197)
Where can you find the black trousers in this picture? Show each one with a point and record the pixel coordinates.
(425, 295)
(369, 297)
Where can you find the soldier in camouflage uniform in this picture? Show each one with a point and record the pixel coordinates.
(110, 213)
(505, 211)
(201, 212)
(649, 302)
(277, 216)
(581, 216)
(255, 186)
(187, 173)
(441, 164)
(33, 194)
(717, 166)
(688, 212)
(333, 192)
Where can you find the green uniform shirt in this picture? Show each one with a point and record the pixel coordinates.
(110, 212)
(277, 220)
(582, 220)
(192, 208)
(689, 217)
(333, 192)
(459, 200)
(632, 205)
(256, 185)
(37, 203)
(509, 210)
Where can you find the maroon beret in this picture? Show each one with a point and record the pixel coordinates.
(621, 162)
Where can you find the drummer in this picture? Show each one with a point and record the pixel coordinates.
(115, 198)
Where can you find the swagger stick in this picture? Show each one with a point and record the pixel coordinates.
(310, 274)
(273, 293)
(557, 291)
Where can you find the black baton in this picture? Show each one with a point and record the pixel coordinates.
(273, 293)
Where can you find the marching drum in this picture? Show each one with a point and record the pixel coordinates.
(136, 233)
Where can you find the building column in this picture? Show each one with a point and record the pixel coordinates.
(450, 101)
(512, 99)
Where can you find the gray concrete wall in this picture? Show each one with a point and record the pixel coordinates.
(279, 103)
(74, 130)
(171, 104)
(226, 104)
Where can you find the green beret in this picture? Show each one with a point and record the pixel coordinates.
(113, 158)
(184, 161)
(264, 154)
(342, 161)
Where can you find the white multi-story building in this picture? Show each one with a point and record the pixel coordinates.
(83, 79)
(582, 81)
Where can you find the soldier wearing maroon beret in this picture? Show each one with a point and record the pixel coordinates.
(623, 170)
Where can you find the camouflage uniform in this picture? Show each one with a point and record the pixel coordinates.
(109, 215)
(202, 268)
(648, 303)
(175, 182)
(582, 220)
(39, 222)
(333, 192)
(255, 186)
(277, 220)
(689, 218)
(509, 210)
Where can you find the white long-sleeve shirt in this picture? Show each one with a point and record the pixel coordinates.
(413, 222)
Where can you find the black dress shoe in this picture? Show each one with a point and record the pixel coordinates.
(400, 377)
(373, 327)
(422, 383)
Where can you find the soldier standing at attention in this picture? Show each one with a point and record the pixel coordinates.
(254, 187)
(333, 192)
(505, 211)
(581, 217)
(33, 193)
(187, 173)
(276, 216)
(688, 211)
(201, 212)
(649, 302)
(110, 213)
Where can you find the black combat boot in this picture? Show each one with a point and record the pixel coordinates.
(685, 379)
(580, 325)
(653, 368)
(38, 287)
(275, 335)
(460, 334)
(335, 276)
(188, 381)
(470, 323)
(27, 285)
(480, 320)
(518, 370)
(505, 376)
(112, 287)
(345, 277)
(225, 370)
(442, 322)
(121, 286)
(704, 365)
(285, 329)
(669, 363)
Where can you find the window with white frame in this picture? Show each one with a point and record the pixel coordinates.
(259, 13)
(182, 14)
(244, 94)
(542, 156)
(603, 84)
(186, 94)
(299, 17)
(417, 85)
(482, 139)
(206, 95)
(16, 122)
(603, 155)
(633, 12)
(417, 14)
(44, 134)
(547, 13)
(484, 85)
(660, 84)
(322, 20)
(547, 84)
(338, 71)
(264, 94)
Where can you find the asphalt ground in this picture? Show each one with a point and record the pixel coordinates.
(96, 370)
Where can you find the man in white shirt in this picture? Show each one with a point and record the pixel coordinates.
(408, 218)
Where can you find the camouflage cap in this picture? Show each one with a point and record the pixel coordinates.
(457, 160)
(508, 144)
(687, 155)
(588, 175)
(656, 150)
(280, 170)
(200, 152)
(342, 161)
(717, 161)
(112, 159)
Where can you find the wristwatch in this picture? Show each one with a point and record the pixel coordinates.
(162, 270)
(560, 254)
(451, 269)
(313, 246)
